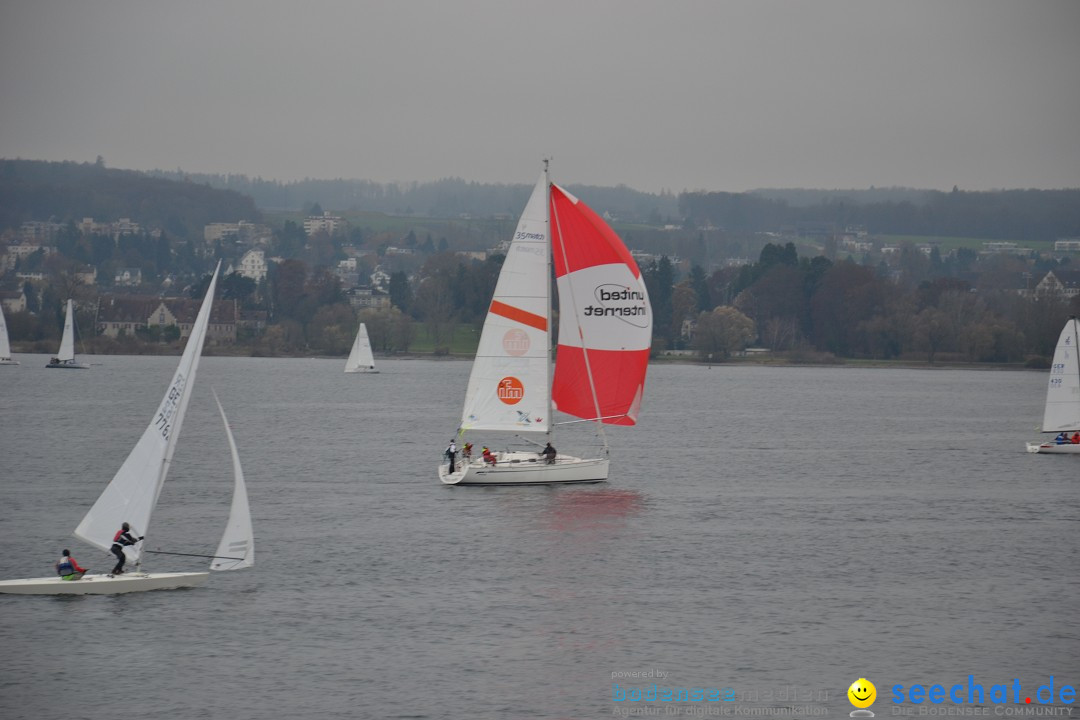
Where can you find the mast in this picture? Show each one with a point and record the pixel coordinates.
(551, 289)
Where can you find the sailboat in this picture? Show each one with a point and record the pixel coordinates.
(605, 330)
(133, 493)
(360, 358)
(1062, 414)
(65, 357)
(5, 346)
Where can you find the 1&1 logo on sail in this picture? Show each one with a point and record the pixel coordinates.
(510, 390)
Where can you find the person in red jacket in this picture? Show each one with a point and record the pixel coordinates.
(122, 539)
(67, 568)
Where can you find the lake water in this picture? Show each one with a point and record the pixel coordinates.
(768, 530)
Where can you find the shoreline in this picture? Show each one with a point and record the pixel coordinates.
(758, 361)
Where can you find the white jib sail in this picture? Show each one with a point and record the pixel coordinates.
(360, 358)
(237, 547)
(1063, 388)
(67, 341)
(5, 345)
(133, 492)
(509, 388)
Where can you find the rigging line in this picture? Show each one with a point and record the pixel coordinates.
(581, 420)
(220, 557)
(573, 301)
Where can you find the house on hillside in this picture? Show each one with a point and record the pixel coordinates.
(253, 265)
(1059, 283)
(330, 224)
(128, 277)
(368, 297)
(128, 314)
(13, 300)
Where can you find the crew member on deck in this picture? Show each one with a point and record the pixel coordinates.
(122, 539)
(67, 568)
(451, 453)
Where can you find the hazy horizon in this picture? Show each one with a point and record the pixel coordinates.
(717, 96)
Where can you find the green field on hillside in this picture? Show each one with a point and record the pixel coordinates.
(464, 342)
(947, 244)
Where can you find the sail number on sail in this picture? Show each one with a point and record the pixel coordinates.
(163, 422)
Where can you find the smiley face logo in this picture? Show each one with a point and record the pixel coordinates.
(862, 693)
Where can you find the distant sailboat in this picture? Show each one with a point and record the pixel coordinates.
(5, 346)
(1062, 413)
(360, 358)
(133, 493)
(605, 331)
(65, 356)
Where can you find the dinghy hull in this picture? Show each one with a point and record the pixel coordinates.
(103, 584)
(1053, 448)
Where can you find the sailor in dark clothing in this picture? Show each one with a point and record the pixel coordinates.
(451, 452)
(549, 453)
(122, 539)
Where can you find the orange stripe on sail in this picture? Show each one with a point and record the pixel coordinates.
(518, 315)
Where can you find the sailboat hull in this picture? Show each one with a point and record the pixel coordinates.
(68, 366)
(519, 468)
(103, 584)
(8, 361)
(1053, 448)
(369, 371)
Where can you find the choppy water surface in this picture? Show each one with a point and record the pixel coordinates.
(764, 528)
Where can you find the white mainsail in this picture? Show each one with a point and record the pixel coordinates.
(133, 492)
(1063, 389)
(67, 341)
(514, 354)
(237, 547)
(5, 345)
(360, 358)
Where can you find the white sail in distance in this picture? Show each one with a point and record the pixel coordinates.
(5, 344)
(67, 341)
(1063, 388)
(360, 357)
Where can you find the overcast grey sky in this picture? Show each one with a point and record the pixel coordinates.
(716, 95)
